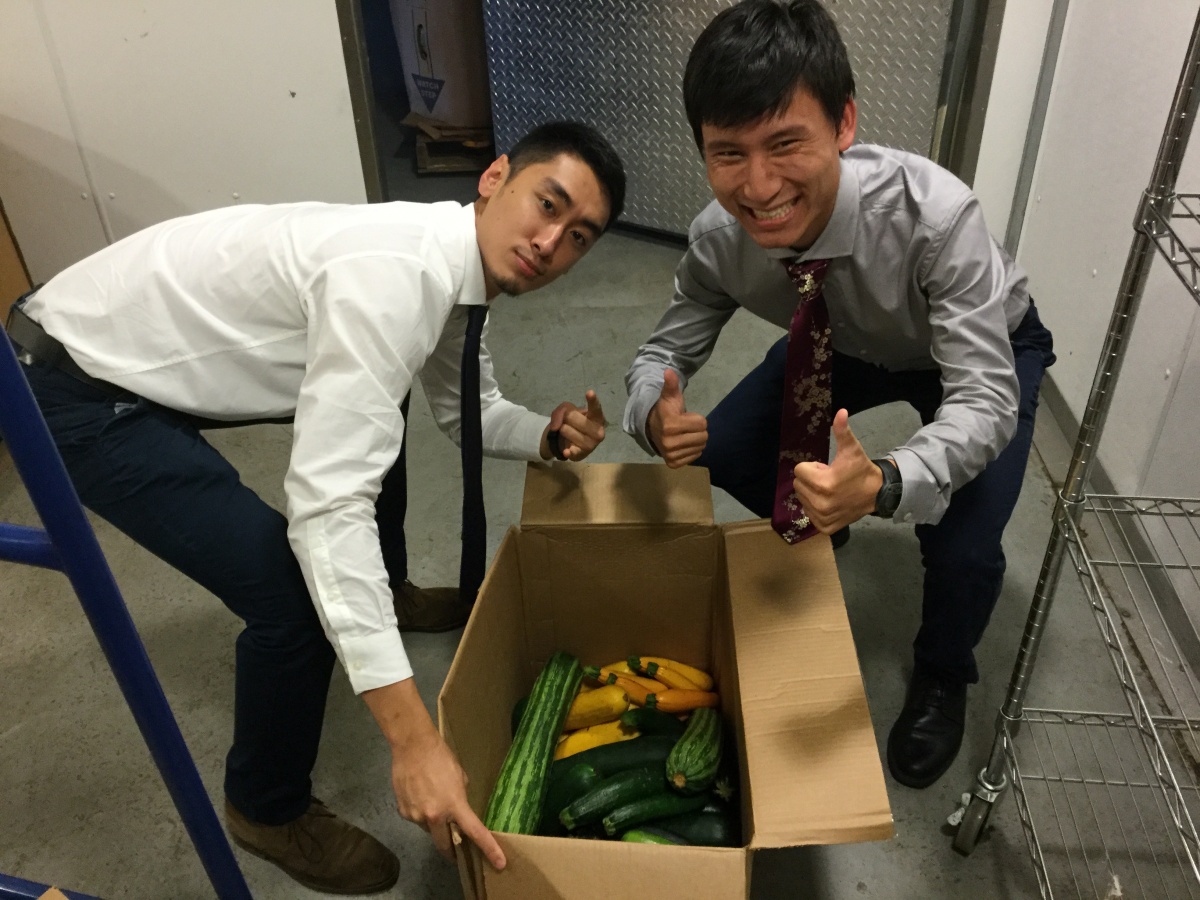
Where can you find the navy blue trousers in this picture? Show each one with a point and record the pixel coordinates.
(150, 472)
(963, 559)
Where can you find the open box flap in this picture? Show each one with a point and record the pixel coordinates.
(813, 764)
(615, 494)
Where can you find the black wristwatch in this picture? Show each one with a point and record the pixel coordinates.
(554, 444)
(889, 494)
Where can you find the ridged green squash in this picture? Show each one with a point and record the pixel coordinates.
(693, 761)
(516, 802)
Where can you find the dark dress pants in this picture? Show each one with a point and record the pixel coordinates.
(962, 555)
(149, 472)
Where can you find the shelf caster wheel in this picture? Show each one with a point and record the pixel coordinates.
(971, 827)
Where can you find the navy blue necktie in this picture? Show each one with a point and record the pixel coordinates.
(474, 520)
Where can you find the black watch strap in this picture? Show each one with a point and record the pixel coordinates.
(888, 498)
(555, 445)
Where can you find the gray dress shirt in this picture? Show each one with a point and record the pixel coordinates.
(915, 281)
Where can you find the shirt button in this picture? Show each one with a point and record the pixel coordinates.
(908, 517)
(862, 352)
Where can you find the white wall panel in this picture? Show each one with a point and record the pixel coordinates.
(42, 180)
(1116, 74)
(1172, 470)
(178, 107)
(1010, 103)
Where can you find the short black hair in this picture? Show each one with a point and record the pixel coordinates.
(551, 140)
(751, 58)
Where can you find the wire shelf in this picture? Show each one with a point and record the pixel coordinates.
(1091, 804)
(1139, 561)
(1177, 235)
(1108, 801)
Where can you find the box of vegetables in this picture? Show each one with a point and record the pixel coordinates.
(643, 698)
(629, 751)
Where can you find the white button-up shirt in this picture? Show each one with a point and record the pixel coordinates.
(915, 281)
(325, 312)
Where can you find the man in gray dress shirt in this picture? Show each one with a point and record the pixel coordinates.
(923, 307)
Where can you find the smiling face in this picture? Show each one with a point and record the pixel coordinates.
(779, 176)
(534, 225)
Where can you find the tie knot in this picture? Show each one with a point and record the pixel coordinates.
(807, 276)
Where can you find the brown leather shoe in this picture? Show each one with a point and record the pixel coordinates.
(319, 850)
(429, 609)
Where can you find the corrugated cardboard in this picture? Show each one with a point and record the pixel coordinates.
(445, 63)
(611, 560)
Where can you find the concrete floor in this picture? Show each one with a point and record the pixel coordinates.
(84, 808)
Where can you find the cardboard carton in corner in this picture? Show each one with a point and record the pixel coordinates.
(444, 60)
(611, 560)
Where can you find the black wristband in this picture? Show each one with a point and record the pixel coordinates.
(552, 441)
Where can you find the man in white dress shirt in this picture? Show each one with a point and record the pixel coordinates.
(326, 314)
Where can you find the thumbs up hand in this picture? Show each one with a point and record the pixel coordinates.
(678, 435)
(843, 491)
(580, 428)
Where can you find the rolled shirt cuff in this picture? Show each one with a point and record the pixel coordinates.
(924, 501)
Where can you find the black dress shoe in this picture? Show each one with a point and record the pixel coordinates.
(928, 731)
(839, 537)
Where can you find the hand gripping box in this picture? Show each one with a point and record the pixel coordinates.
(612, 560)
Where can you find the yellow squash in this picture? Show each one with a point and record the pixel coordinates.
(596, 707)
(671, 679)
(649, 665)
(595, 736)
(674, 700)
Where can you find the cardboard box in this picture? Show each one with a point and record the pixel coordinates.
(444, 59)
(611, 560)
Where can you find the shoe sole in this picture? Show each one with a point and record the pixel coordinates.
(316, 885)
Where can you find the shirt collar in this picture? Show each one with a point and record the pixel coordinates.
(838, 237)
(474, 289)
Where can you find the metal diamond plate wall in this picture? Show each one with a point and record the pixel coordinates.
(618, 65)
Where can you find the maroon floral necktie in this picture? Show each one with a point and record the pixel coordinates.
(807, 411)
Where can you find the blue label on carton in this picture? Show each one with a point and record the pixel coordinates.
(429, 88)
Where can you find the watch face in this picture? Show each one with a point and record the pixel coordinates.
(889, 498)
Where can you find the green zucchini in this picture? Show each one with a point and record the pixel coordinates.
(716, 805)
(566, 786)
(725, 785)
(652, 721)
(609, 759)
(658, 806)
(616, 790)
(648, 834)
(725, 788)
(705, 829)
(693, 761)
(516, 802)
